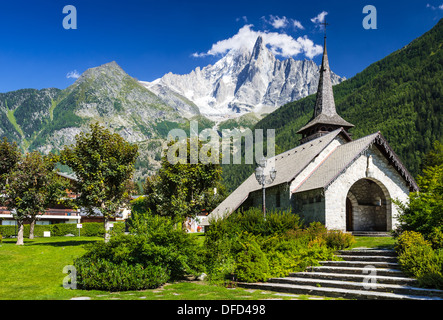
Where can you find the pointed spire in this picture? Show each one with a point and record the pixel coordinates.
(325, 96)
(325, 117)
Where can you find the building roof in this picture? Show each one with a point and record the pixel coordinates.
(291, 163)
(325, 111)
(345, 155)
(288, 166)
(67, 176)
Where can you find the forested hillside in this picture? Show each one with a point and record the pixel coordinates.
(400, 96)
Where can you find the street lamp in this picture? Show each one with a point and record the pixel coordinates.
(263, 179)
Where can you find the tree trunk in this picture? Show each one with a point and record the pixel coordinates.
(31, 229)
(20, 228)
(107, 234)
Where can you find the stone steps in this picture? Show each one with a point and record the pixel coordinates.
(371, 234)
(355, 277)
(363, 274)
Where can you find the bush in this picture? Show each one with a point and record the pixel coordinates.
(90, 229)
(252, 264)
(255, 248)
(105, 275)
(338, 240)
(419, 260)
(155, 252)
(436, 237)
(409, 239)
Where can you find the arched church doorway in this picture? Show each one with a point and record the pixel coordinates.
(368, 207)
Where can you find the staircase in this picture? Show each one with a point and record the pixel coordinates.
(363, 274)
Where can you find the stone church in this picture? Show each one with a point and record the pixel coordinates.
(346, 184)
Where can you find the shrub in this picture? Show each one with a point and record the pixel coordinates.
(436, 238)
(155, 252)
(219, 261)
(255, 248)
(103, 274)
(252, 264)
(254, 222)
(419, 260)
(409, 239)
(90, 229)
(338, 240)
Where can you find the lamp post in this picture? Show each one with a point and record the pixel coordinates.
(263, 179)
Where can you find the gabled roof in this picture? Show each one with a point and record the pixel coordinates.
(288, 166)
(345, 155)
(291, 163)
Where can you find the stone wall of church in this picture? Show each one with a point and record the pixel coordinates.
(379, 171)
(310, 205)
(277, 197)
(369, 206)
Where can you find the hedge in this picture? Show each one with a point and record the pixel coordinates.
(90, 229)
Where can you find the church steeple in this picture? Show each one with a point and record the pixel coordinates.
(325, 118)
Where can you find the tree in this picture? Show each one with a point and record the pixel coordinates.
(183, 190)
(424, 212)
(9, 157)
(103, 163)
(28, 192)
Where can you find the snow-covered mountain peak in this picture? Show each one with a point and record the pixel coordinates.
(242, 81)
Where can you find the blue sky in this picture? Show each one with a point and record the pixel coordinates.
(151, 38)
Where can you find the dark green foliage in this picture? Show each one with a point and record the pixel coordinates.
(419, 260)
(250, 248)
(183, 189)
(155, 252)
(105, 275)
(424, 211)
(252, 221)
(90, 229)
(251, 262)
(9, 158)
(400, 96)
(103, 163)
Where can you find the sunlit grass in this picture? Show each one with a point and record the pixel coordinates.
(34, 271)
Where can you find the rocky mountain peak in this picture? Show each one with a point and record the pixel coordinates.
(241, 82)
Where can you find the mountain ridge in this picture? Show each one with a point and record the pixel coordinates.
(243, 81)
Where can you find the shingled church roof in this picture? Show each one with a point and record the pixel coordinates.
(288, 166)
(291, 163)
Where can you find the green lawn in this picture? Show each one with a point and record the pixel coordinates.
(374, 242)
(34, 271)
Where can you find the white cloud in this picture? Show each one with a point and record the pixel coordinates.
(320, 17)
(434, 7)
(278, 22)
(243, 18)
(297, 25)
(279, 43)
(73, 74)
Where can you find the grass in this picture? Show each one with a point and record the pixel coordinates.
(11, 118)
(374, 242)
(34, 271)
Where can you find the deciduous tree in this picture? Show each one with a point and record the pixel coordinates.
(103, 163)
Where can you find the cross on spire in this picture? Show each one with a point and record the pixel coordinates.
(324, 24)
